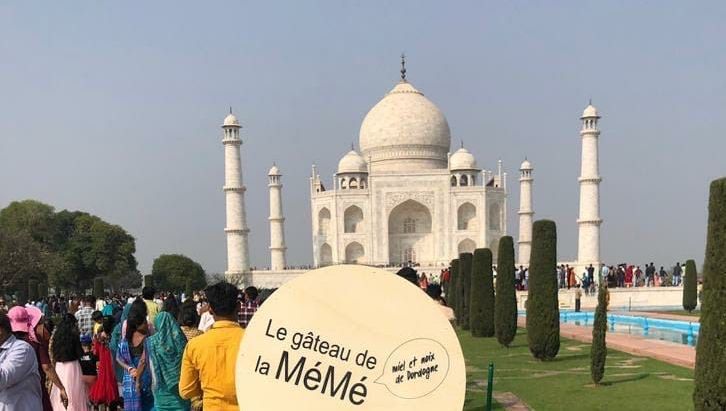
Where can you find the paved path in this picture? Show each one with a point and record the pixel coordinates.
(672, 353)
(510, 402)
(664, 316)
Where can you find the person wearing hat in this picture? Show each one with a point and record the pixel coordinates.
(24, 321)
(19, 378)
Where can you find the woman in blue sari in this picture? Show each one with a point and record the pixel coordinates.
(133, 358)
(116, 336)
(165, 350)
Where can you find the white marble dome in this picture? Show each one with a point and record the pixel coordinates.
(405, 130)
(590, 111)
(352, 162)
(230, 120)
(462, 159)
(526, 165)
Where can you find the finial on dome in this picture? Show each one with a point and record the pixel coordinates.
(403, 67)
(589, 101)
(230, 109)
(352, 146)
(462, 143)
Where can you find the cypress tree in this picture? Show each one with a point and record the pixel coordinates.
(148, 280)
(505, 309)
(710, 390)
(98, 287)
(481, 301)
(188, 288)
(690, 288)
(465, 285)
(42, 290)
(451, 289)
(598, 349)
(543, 314)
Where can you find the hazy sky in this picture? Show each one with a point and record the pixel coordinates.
(114, 108)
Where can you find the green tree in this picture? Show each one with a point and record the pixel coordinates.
(598, 349)
(21, 258)
(171, 271)
(505, 309)
(690, 286)
(543, 314)
(465, 285)
(43, 290)
(29, 216)
(188, 291)
(98, 287)
(453, 297)
(149, 281)
(481, 305)
(710, 390)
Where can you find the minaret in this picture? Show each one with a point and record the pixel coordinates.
(238, 255)
(277, 221)
(588, 246)
(526, 213)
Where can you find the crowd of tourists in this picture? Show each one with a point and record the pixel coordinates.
(123, 352)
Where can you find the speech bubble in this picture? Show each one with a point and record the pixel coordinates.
(415, 368)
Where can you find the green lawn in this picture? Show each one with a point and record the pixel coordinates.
(630, 383)
(681, 312)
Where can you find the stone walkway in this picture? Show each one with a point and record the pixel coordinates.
(672, 353)
(664, 316)
(510, 402)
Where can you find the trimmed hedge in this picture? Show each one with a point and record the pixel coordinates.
(481, 301)
(465, 260)
(598, 349)
(710, 391)
(690, 287)
(505, 308)
(543, 313)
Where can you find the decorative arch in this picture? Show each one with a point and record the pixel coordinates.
(494, 246)
(354, 253)
(353, 183)
(466, 217)
(323, 221)
(343, 184)
(466, 246)
(464, 181)
(495, 217)
(353, 220)
(410, 236)
(453, 181)
(362, 183)
(326, 255)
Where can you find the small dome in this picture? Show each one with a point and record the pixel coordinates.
(462, 159)
(526, 165)
(274, 171)
(352, 163)
(590, 111)
(230, 120)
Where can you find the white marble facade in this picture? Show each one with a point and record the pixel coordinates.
(405, 197)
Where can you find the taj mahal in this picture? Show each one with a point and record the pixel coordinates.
(403, 197)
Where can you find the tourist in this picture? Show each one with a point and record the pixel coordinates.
(23, 322)
(166, 347)
(206, 320)
(629, 276)
(578, 297)
(152, 308)
(100, 303)
(560, 275)
(84, 316)
(42, 334)
(105, 391)
(189, 319)
(88, 362)
(249, 306)
(20, 381)
(604, 274)
(677, 271)
(171, 305)
(423, 282)
(208, 365)
(65, 352)
(133, 358)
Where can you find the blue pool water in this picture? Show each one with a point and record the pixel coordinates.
(681, 332)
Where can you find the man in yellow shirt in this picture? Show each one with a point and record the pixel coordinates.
(147, 293)
(208, 364)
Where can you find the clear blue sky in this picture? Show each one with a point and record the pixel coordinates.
(115, 107)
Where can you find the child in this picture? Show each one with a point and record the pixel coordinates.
(88, 362)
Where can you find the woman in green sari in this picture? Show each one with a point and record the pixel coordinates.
(165, 350)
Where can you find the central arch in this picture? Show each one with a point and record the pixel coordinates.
(410, 237)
